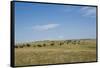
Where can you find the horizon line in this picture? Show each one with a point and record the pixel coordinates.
(52, 40)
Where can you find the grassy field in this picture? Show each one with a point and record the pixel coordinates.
(56, 51)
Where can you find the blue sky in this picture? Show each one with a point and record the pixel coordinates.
(34, 21)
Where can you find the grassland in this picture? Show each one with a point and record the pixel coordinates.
(56, 51)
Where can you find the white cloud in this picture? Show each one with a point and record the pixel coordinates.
(45, 27)
(60, 37)
(88, 11)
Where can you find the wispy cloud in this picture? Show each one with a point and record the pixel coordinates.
(60, 37)
(88, 11)
(45, 27)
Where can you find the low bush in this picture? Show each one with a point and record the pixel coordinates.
(44, 44)
(28, 45)
(39, 45)
(52, 44)
(16, 46)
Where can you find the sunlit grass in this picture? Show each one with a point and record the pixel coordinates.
(53, 54)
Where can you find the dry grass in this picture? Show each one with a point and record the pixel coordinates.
(67, 53)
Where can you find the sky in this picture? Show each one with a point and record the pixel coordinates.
(35, 22)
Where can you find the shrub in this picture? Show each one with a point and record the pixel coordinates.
(20, 46)
(44, 44)
(69, 41)
(34, 46)
(61, 43)
(39, 45)
(23, 45)
(28, 45)
(74, 42)
(78, 42)
(52, 44)
(16, 46)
